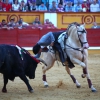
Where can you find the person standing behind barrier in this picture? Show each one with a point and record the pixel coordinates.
(94, 7)
(95, 26)
(22, 6)
(36, 21)
(78, 7)
(53, 7)
(68, 7)
(42, 7)
(7, 6)
(60, 8)
(15, 6)
(12, 24)
(85, 6)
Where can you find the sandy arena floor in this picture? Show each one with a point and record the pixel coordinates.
(61, 86)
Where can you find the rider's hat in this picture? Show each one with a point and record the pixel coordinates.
(36, 48)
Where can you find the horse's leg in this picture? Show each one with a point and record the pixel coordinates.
(50, 62)
(78, 62)
(72, 77)
(86, 73)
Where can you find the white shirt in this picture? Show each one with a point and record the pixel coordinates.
(15, 7)
(94, 7)
(61, 39)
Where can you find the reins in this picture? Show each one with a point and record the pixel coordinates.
(78, 49)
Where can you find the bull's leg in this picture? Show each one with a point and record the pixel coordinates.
(23, 77)
(4, 90)
(72, 77)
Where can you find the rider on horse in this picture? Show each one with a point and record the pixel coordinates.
(51, 38)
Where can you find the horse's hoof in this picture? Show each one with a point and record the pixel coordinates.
(82, 76)
(46, 86)
(78, 86)
(94, 90)
(31, 91)
(4, 90)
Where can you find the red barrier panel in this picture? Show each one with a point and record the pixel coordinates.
(8, 36)
(28, 37)
(93, 36)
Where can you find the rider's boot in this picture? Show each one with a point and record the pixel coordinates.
(70, 64)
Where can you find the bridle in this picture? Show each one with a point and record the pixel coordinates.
(82, 32)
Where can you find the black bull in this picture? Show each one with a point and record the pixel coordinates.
(12, 65)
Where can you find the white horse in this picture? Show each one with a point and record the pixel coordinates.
(76, 48)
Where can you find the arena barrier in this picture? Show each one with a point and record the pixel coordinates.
(28, 37)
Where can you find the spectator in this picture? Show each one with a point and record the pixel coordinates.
(12, 24)
(36, 21)
(7, 6)
(95, 26)
(15, 6)
(29, 5)
(42, 7)
(85, 6)
(3, 24)
(38, 2)
(68, 7)
(21, 23)
(50, 25)
(20, 26)
(32, 6)
(60, 8)
(46, 22)
(1, 5)
(78, 7)
(94, 7)
(46, 2)
(22, 6)
(53, 7)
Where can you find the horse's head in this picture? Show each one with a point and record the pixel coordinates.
(81, 32)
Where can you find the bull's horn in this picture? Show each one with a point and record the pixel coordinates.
(41, 60)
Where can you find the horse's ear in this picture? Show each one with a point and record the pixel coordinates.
(84, 24)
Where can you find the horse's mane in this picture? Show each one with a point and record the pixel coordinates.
(71, 27)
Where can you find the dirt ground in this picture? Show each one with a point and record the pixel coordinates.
(60, 87)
